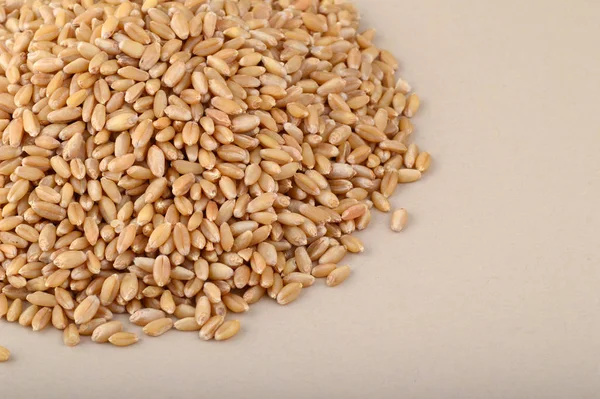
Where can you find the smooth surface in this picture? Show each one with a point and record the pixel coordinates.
(493, 289)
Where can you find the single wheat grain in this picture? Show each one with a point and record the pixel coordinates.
(227, 330)
(4, 354)
(123, 339)
(158, 327)
(399, 219)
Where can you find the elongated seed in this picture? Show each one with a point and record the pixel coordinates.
(423, 162)
(227, 330)
(399, 219)
(103, 332)
(323, 270)
(42, 299)
(144, 316)
(203, 309)
(338, 276)
(41, 319)
(71, 335)
(208, 330)
(123, 339)
(87, 309)
(408, 175)
(4, 354)
(158, 327)
(187, 324)
(87, 329)
(289, 293)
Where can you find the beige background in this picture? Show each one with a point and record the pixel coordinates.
(492, 291)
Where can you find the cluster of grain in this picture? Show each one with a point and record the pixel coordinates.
(180, 160)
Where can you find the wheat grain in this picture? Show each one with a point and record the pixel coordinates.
(227, 330)
(163, 160)
(338, 276)
(71, 335)
(158, 327)
(26, 317)
(123, 339)
(145, 316)
(408, 175)
(14, 310)
(208, 330)
(187, 324)
(4, 354)
(41, 319)
(289, 293)
(423, 161)
(86, 329)
(399, 219)
(103, 332)
(87, 309)
(41, 299)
